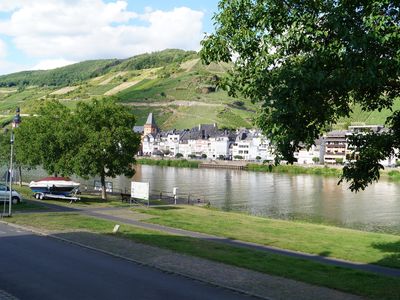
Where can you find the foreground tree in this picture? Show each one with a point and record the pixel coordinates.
(107, 143)
(41, 140)
(95, 140)
(308, 63)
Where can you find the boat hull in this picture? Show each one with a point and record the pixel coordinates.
(56, 186)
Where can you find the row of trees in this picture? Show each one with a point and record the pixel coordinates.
(96, 139)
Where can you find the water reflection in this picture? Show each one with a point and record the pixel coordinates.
(277, 195)
(282, 195)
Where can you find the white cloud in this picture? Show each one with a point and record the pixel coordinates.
(3, 49)
(75, 30)
(52, 64)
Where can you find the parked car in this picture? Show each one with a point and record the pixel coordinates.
(5, 194)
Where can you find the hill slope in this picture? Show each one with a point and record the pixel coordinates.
(173, 84)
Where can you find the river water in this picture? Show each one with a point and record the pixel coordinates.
(308, 197)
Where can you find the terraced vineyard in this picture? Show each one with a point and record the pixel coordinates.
(173, 84)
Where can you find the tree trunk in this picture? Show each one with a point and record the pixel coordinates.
(103, 187)
(20, 175)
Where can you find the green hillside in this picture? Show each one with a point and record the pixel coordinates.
(173, 84)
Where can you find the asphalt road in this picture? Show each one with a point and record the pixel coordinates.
(37, 267)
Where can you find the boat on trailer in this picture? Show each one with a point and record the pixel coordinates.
(54, 187)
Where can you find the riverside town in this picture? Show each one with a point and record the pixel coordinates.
(199, 150)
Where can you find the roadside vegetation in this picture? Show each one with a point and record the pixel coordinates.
(294, 169)
(356, 282)
(179, 163)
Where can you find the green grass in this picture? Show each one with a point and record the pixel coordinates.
(161, 114)
(356, 282)
(352, 245)
(393, 175)
(293, 169)
(23, 206)
(179, 163)
(99, 90)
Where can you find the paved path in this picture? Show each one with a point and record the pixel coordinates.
(118, 214)
(36, 267)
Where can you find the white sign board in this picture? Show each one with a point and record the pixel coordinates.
(140, 190)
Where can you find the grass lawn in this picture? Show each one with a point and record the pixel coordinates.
(23, 206)
(352, 245)
(356, 282)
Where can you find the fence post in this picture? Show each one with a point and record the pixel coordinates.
(188, 199)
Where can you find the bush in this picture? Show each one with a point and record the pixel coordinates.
(192, 156)
(238, 157)
(181, 163)
(315, 159)
(178, 155)
(339, 161)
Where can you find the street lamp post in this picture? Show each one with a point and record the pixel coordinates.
(15, 124)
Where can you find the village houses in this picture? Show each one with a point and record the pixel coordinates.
(207, 141)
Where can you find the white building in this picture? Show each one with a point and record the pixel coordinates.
(252, 145)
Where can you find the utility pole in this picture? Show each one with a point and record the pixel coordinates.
(15, 124)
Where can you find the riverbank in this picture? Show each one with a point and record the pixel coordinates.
(321, 170)
(178, 163)
(325, 240)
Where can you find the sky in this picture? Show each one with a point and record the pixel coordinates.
(45, 34)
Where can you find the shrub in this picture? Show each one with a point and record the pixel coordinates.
(178, 155)
(339, 161)
(315, 159)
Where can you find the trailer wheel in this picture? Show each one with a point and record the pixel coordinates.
(36, 196)
(41, 196)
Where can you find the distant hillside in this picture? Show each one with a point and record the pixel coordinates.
(79, 72)
(64, 76)
(173, 84)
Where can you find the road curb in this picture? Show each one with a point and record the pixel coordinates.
(45, 234)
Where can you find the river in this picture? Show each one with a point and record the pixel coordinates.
(308, 197)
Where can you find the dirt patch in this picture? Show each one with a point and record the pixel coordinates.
(188, 65)
(109, 79)
(121, 87)
(176, 103)
(64, 90)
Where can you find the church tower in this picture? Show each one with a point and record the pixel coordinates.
(150, 126)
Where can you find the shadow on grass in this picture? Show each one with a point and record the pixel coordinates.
(24, 206)
(325, 253)
(392, 259)
(166, 207)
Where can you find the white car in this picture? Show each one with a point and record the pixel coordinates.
(5, 194)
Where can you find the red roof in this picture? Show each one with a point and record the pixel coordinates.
(55, 179)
